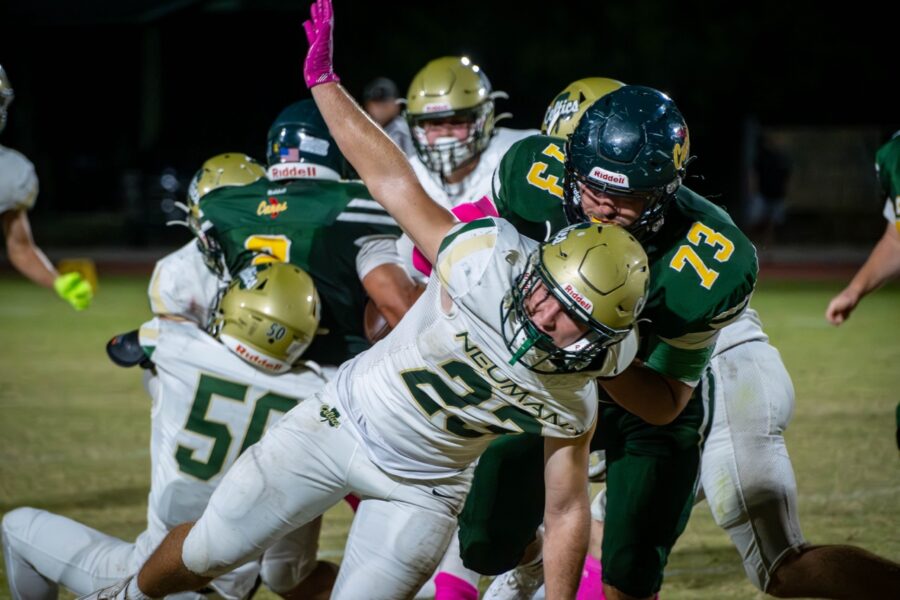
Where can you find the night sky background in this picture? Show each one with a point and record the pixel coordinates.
(110, 92)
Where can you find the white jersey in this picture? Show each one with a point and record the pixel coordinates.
(18, 182)
(208, 406)
(430, 397)
(473, 188)
(182, 285)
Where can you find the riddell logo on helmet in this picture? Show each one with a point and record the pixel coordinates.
(609, 177)
(437, 107)
(252, 357)
(272, 207)
(578, 297)
(292, 171)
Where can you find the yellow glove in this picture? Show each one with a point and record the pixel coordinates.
(73, 288)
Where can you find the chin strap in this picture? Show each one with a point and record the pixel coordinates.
(525, 347)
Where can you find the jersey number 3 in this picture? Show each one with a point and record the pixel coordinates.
(269, 248)
(687, 255)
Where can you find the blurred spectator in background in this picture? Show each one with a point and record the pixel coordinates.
(380, 100)
(772, 172)
(18, 192)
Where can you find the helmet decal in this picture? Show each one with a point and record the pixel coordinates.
(567, 107)
(602, 175)
(681, 152)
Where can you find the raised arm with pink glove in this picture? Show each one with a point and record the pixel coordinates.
(379, 162)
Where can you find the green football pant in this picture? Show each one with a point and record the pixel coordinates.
(652, 474)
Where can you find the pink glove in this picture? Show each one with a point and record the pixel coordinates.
(318, 67)
(468, 211)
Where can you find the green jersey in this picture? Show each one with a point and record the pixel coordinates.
(887, 165)
(702, 268)
(315, 224)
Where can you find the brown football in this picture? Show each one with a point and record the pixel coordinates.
(376, 326)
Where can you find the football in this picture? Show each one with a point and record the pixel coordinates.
(376, 326)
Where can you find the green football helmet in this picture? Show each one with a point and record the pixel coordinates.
(599, 273)
(6, 97)
(567, 107)
(299, 146)
(268, 315)
(631, 142)
(452, 88)
(222, 170)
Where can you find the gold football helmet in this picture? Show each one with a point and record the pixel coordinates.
(6, 96)
(599, 273)
(222, 170)
(269, 315)
(567, 107)
(451, 89)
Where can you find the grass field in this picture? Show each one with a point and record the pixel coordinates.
(74, 428)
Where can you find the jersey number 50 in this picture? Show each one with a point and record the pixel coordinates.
(220, 434)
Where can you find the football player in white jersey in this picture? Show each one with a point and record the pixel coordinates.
(451, 115)
(213, 396)
(509, 337)
(185, 283)
(18, 192)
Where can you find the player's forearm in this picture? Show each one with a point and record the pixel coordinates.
(883, 264)
(24, 255)
(384, 168)
(33, 264)
(565, 544)
(392, 290)
(647, 394)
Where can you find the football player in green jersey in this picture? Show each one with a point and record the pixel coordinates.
(884, 261)
(18, 192)
(759, 508)
(624, 163)
(306, 214)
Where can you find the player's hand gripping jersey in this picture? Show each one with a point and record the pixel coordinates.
(702, 268)
(318, 225)
(424, 416)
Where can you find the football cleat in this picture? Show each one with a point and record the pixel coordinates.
(117, 591)
(519, 584)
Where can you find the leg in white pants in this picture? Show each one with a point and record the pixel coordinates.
(300, 468)
(42, 551)
(290, 560)
(746, 473)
